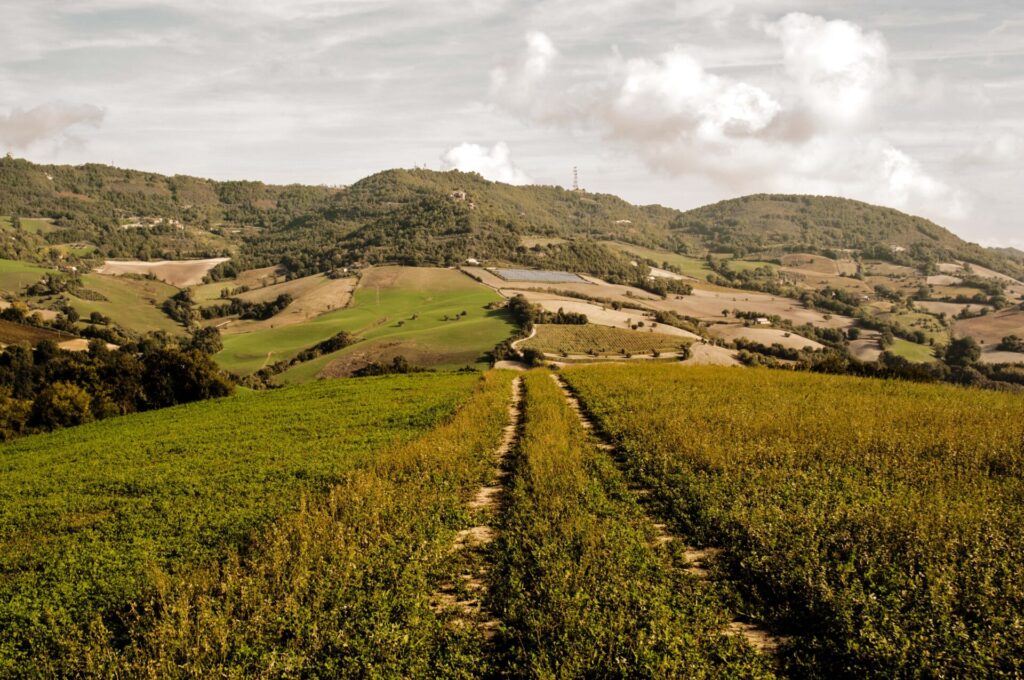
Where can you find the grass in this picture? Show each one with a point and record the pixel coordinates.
(582, 591)
(382, 310)
(592, 338)
(131, 303)
(105, 527)
(911, 351)
(913, 321)
(880, 520)
(32, 225)
(14, 276)
(691, 266)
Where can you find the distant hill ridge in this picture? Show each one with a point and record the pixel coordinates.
(429, 217)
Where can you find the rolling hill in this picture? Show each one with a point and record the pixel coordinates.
(422, 217)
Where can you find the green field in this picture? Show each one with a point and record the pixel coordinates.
(131, 303)
(691, 266)
(585, 592)
(96, 519)
(877, 520)
(32, 225)
(15, 276)
(381, 312)
(911, 351)
(605, 340)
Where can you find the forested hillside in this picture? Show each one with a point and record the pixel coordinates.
(421, 217)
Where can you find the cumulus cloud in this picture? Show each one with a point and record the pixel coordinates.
(835, 67)
(54, 122)
(516, 85)
(806, 129)
(494, 163)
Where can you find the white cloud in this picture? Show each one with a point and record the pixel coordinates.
(675, 97)
(516, 85)
(805, 130)
(494, 164)
(835, 67)
(52, 122)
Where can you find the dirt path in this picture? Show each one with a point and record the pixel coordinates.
(467, 596)
(699, 559)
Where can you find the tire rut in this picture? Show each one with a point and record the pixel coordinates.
(698, 559)
(467, 595)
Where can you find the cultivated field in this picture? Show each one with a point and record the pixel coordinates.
(179, 273)
(12, 333)
(381, 312)
(131, 303)
(15, 276)
(992, 328)
(876, 521)
(762, 335)
(252, 278)
(313, 296)
(601, 314)
(602, 340)
(120, 550)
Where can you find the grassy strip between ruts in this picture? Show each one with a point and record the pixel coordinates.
(580, 589)
(341, 588)
(881, 519)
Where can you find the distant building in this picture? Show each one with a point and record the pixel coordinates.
(472, 262)
(763, 321)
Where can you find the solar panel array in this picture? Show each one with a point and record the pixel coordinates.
(538, 276)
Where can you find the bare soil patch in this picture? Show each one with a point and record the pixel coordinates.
(180, 273)
(764, 336)
(702, 354)
(990, 329)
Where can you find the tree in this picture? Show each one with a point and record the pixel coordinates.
(963, 352)
(206, 340)
(62, 404)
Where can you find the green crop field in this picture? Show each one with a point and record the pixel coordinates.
(879, 520)
(581, 588)
(14, 276)
(106, 528)
(381, 312)
(911, 351)
(132, 303)
(592, 338)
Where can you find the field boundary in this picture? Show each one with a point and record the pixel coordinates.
(699, 559)
(467, 597)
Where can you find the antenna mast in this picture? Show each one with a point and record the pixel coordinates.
(575, 179)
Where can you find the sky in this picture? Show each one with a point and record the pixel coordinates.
(914, 105)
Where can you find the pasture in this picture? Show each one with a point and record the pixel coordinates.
(16, 276)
